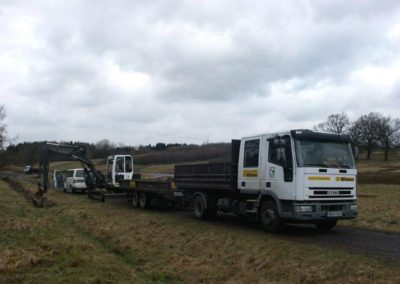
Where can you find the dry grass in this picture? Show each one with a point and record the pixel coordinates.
(379, 208)
(377, 171)
(39, 246)
(83, 241)
(156, 169)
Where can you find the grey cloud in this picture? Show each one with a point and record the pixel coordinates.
(226, 61)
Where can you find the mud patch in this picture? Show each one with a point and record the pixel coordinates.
(26, 193)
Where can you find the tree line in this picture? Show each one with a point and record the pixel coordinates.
(368, 132)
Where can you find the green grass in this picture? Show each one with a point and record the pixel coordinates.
(379, 208)
(83, 241)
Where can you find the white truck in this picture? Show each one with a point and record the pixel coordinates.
(294, 176)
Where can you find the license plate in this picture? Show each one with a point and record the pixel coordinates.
(335, 214)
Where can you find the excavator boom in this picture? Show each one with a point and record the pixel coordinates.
(93, 178)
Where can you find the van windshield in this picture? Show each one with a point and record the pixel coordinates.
(316, 153)
(79, 174)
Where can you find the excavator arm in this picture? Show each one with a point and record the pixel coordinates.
(93, 178)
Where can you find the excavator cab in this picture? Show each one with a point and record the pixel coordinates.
(119, 167)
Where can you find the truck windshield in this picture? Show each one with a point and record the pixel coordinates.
(326, 154)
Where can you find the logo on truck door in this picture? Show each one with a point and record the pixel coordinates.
(250, 173)
(272, 172)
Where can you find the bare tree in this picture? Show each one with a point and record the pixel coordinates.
(388, 133)
(365, 131)
(104, 147)
(337, 123)
(2, 126)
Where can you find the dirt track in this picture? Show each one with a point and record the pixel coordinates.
(382, 245)
(376, 244)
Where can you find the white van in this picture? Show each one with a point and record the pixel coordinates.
(75, 181)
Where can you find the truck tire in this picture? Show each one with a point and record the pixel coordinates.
(326, 225)
(200, 209)
(143, 200)
(135, 199)
(269, 218)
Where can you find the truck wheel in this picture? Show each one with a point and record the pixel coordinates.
(326, 225)
(135, 199)
(269, 217)
(200, 209)
(143, 200)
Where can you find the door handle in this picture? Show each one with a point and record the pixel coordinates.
(243, 184)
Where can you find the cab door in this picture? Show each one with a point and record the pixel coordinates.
(249, 164)
(58, 179)
(128, 167)
(279, 170)
(119, 168)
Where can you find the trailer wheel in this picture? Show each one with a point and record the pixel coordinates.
(143, 200)
(326, 225)
(200, 209)
(269, 217)
(135, 199)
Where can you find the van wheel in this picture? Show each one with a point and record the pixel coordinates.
(135, 199)
(269, 218)
(200, 209)
(143, 200)
(326, 225)
(72, 189)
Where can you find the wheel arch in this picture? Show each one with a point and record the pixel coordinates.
(270, 196)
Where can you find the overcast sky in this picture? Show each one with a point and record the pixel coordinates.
(141, 72)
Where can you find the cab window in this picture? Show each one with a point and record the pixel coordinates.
(280, 153)
(251, 153)
(128, 164)
(119, 165)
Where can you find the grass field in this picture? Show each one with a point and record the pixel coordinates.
(83, 241)
(378, 207)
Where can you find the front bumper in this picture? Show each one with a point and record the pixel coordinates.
(323, 211)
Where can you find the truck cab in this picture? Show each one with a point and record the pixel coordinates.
(119, 167)
(308, 176)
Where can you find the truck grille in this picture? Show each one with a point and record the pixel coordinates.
(325, 192)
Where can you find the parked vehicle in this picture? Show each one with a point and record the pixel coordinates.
(28, 169)
(75, 181)
(296, 176)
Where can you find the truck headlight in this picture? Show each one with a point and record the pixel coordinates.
(353, 207)
(304, 209)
